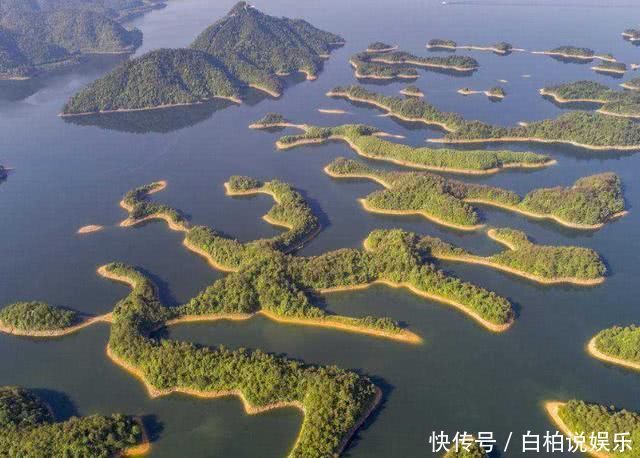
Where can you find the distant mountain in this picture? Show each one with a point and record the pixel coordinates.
(245, 48)
(116, 9)
(32, 41)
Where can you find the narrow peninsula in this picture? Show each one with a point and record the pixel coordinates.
(576, 53)
(573, 416)
(216, 65)
(28, 429)
(617, 345)
(614, 103)
(588, 204)
(502, 48)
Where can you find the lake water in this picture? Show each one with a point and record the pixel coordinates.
(70, 174)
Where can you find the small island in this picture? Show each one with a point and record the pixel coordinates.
(462, 64)
(632, 35)
(496, 92)
(502, 48)
(212, 67)
(4, 173)
(412, 91)
(617, 345)
(379, 46)
(274, 121)
(577, 53)
(632, 85)
(588, 204)
(28, 429)
(588, 419)
(471, 450)
(614, 103)
(615, 68)
(39, 319)
(366, 69)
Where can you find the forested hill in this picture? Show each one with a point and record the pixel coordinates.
(245, 48)
(29, 40)
(111, 8)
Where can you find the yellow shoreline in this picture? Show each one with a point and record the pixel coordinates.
(382, 50)
(87, 321)
(552, 408)
(143, 448)
(89, 229)
(278, 125)
(592, 349)
(608, 70)
(418, 63)
(572, 56)
(533, 140)
(411, 94)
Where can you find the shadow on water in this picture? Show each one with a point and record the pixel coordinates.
(89, 66)
(572, 60)
(61, 405)
(585, 106)
(387, 82)
(617, 76)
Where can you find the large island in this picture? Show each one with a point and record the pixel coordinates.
(614, 103)
(216, 65)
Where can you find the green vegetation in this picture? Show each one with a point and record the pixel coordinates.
(36, 316)
(631, 34)
(334, 400)
(139, 206)
(590, 130)
(457, 63)
(439, 43)
(620, 342)
(265, 279)
(496, 91)
(28, 429)
(270, 119)
(364, 141)
(503, 47)
(366, 69)
(245, 48)
(622, 103)
(378, 46)
(34, 41)
(474, 451)
(116, 9)
(632, 84)
(574, 51)
(582, 417)
(412, 90)
(611, 67)
(291, 210)
(590, 202)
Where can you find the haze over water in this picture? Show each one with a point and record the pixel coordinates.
(73, 173)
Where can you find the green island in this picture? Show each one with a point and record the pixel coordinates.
(616, 68)
(379, 46)
(632, 84)
(631, 35)
(28, 429)
(617, 345)
(462, 64)
(412, 91)
(588, 204)
(496, 92)
(39, 319)
(502, 47)
(614, 103)
(587, 130)
(575, 52)
(216, 65)
(587, 418)
(390, 257)
(39, 41)
(366, 69)
(369, 142)
(471, 450)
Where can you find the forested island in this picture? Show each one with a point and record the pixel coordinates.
(617, 345)
(502, 47)
(582, 129)
(216, 65)
(366, 69)
(632, 35)
(614, 103)
(578, 416)
(588, 204)
(369, 142)
(379, 46)
(412, 91)
(253, 264)
(496, 92)
(616, 68)
(575, 52)
(28, 429)
(632, 84)
(35, 41)
(462, 64)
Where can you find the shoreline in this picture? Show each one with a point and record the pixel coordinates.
(573, 56)
(630, 87)
(422, 213)
(86, 322)
(143, 448)
(354, 147)
(417, 63)
(608, 70)
(543, 92)
(331, 111)
(381, 50)
(411, 94)
(90, 229)
(359, 75)
(159, 107)
(533, 140)
(552, 409)
(592, 349)
(273, 125)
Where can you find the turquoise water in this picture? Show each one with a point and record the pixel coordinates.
(69, 174)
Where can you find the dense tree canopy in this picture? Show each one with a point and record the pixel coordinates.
(36, 316)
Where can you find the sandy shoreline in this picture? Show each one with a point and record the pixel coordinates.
(331, 111)
(86, 322)
(379, 77)
(278, 125)
(411, 94)
(592, 349)
(374, 51)
(557, 98)
(89, 229)
(417, 63)
(533, 140)
(572, 56)
(608, 70)
(552, 408)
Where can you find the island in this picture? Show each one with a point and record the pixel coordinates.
(614, 103)
(412, 91)
(369, 142)
(576, 53)
(575, 415)
(216, 65)
(366, 69)
(379, 46)
(89, 229)
(461, 64)
(28, 429)
(618, 345)
(631, 35)
(466, 450)
(496, 92)
(615, 68)
(502, 48)
(39, 319)
(299, 275)
(32, 42)
(632, 84)
(588, 204)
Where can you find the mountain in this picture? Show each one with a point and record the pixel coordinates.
(246, 48)
(31, 40)
(115, 9)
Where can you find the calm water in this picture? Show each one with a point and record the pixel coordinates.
(463, 378)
